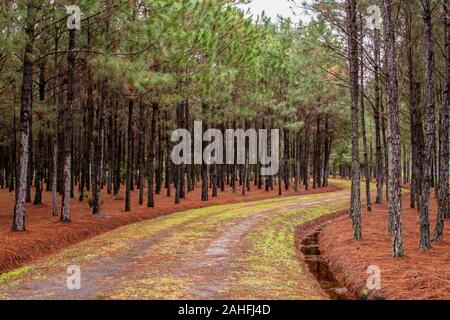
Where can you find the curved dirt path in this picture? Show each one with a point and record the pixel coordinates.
(223, 252)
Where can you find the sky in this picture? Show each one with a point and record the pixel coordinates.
(273, 8)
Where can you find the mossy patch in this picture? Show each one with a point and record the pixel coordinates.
(149, 288)
(269, 266)
(5, 277)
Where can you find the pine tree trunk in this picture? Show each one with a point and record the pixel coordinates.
(355, 205)
(425, 241)
(177, 169)
(184, 111)
(298, 155)
(13, 175)
(383, 133)
(167, 160)
(110, 161)
(39, 169)
(55, 135)
(394, 172)
(214, 181)
(83, 161)
(151, 157)
(99, 149)
(327, 152)
(141, 153)
(443, 211)
(204, 196)
(159, 157)
(132, 162)
(306, 160)
(190, 166)
(129, 157)
(286, 171)
(30, 154)
(68, 127)
(363, 130)
(316, 161)
(118, 154)
(25, 109)
(413, 97)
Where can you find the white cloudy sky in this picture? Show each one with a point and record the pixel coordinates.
(273, 8)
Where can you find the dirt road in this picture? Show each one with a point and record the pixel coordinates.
(238, 251)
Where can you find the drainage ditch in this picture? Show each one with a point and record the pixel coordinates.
(319, 268)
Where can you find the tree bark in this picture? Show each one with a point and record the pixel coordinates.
(327, 152)
(443, 211)
(55, 134)
(25, 109)
(151, 157)
(355, 202)
(204, 170)
(129, 157)
(306, 156)
(99, 148)
(317, 150)
(377, 111)
(141, 153)
(68, 127)
(425, 241)
(394, 159)
(298, 156)
(363, 130)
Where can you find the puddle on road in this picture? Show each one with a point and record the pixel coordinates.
(319, 267)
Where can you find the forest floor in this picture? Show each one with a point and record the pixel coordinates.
(418, 275)
(234, 251)
(45, 234)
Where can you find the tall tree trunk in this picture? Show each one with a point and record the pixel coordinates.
(286, 171)
(160, 157)
(306, 156)
(168, 162)
(110, 159)
(317, 152)
(117, 157)
(177, 171)
(352, 34)
(55, 134)
(141, 153)
(39, 169)
(13, 155)
(377, 113)
(99, 149)
(214, 180)
(443, 211)
(363, 128)
(129, 156)
(25, 109)
(151, 157)
(298, 156)
(327, 152)
(190, 166)
(204, 169)
(245, 166)
(425, 241)
(40, 147)
(90, 145)
(133, 156)
(415, 125)
(30, 154)
(68, 127)
(394, 172)
(184, 112)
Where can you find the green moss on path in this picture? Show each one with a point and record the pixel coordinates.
(241, 251)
